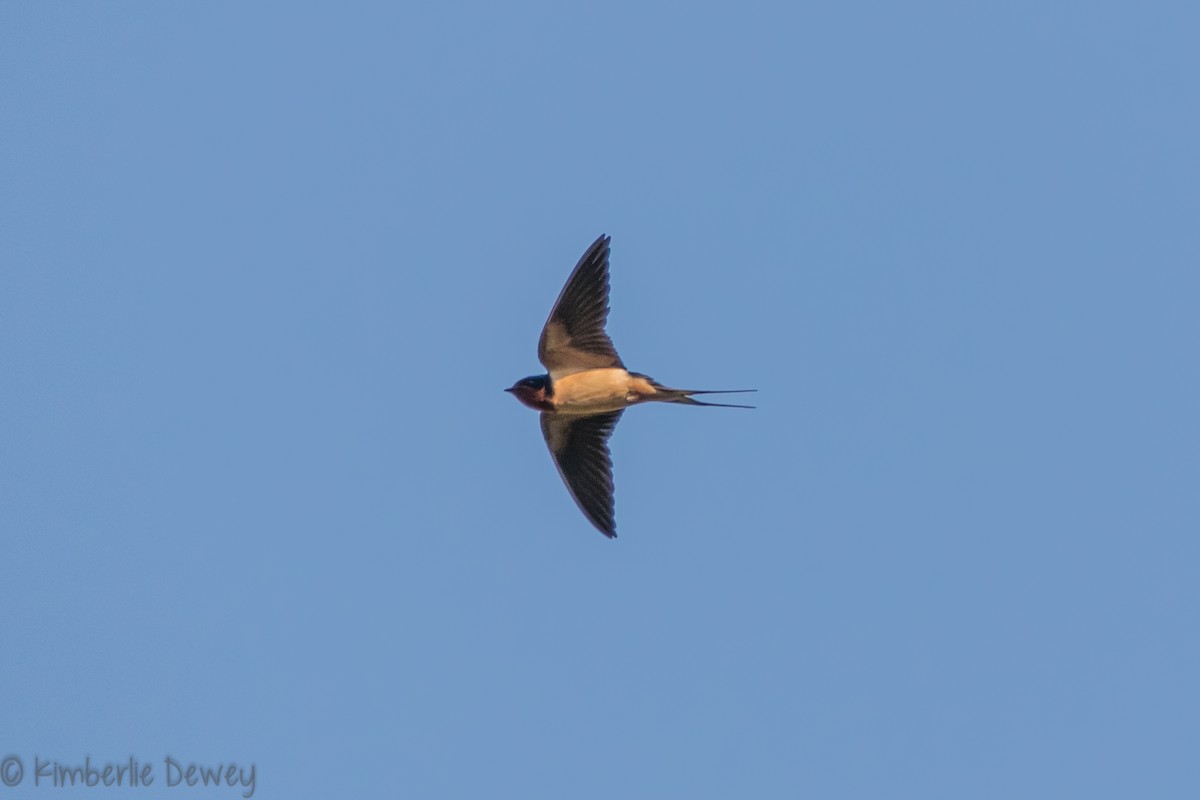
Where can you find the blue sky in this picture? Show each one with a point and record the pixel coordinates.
(264, 271)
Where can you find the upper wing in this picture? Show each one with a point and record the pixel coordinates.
(579, 446)
(574, 338)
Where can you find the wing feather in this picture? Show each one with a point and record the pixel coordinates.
(574, 338)
(579, 446)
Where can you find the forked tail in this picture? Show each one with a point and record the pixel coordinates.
(684, 396)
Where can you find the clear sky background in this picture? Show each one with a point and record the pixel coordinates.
(265, 269)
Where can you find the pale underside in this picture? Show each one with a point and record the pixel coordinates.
(596, 391)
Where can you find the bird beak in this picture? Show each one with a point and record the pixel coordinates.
(509, 389)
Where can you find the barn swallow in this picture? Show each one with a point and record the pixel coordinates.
(587, 388)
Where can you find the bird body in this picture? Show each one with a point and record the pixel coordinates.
(595, 391)
(587, 388)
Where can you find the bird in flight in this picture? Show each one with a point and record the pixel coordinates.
(587, 388)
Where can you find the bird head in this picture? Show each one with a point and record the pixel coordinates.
(533, 391)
